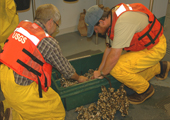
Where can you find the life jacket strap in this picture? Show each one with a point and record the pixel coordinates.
(45, 80)
(4, 43)
(152, 41)
(33, 57)
(36, 60)
(39, 88)
(29, 68)
(33, 70)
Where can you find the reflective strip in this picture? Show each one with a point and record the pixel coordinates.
(33, 38)
(130, 8)
(120, 10)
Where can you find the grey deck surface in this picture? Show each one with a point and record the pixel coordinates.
(155, 108)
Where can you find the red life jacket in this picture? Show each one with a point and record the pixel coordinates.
(148, 37)
(21, 54)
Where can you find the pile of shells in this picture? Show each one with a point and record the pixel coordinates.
(107, 105)
(66, 83)
(89, 74)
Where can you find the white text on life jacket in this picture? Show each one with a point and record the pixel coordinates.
(19, 37)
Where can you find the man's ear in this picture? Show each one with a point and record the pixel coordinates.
(49, 25)
(102, 22)
(49, 22)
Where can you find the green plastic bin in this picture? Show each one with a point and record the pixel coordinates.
(82, 93)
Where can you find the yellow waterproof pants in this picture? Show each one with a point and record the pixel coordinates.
(135, 69)
(25, 100)
(8, 19)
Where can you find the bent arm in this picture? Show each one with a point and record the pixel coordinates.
(79, 78)
(106, 52)
(111, 60)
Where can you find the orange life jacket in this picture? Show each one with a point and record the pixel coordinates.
(148, 37)
(21, 54)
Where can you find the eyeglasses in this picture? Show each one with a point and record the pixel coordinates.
(56, 23)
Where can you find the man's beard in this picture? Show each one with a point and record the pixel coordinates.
(106, 31)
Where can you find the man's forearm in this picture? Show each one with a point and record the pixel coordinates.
(111, 60)
(106, 52)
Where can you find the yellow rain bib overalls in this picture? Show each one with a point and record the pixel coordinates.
(24, 100)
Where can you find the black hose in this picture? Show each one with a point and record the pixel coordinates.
(108, 80)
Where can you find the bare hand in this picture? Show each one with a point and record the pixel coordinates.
(82, 79)
(97, 74)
